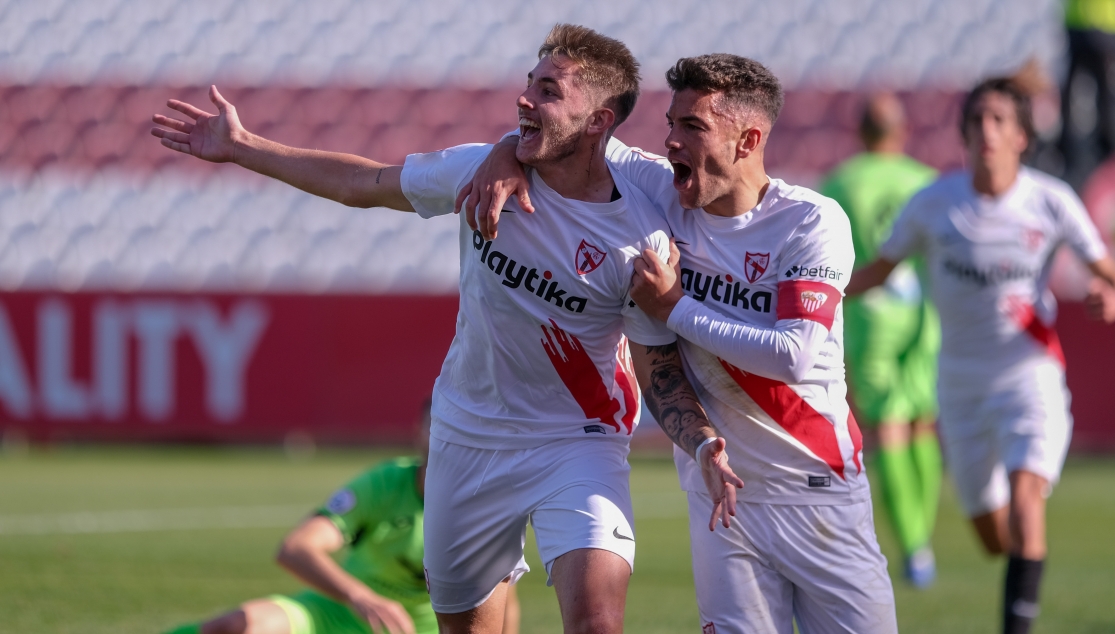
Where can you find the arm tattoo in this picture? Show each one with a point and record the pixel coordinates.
(379, 173)
(672, 400)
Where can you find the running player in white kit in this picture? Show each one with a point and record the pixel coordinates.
(757, 303)
(988, 234)
(536, 402)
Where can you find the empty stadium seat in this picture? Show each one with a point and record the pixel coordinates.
(89, 199)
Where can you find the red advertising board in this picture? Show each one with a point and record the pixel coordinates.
(216, 367)
(254, 368)
(1089, 351)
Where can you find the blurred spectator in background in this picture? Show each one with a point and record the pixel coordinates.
(380, 586)
(891, 334)
(1088, 100)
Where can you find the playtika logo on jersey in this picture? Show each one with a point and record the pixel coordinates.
(754, 265)
(547, 288)
(588, 257)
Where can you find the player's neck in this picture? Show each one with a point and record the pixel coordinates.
(893, 145)
(746, 193)
(994, 181)
(583, 175)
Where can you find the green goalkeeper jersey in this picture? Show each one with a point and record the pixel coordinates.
(890, 333)
(872, 188)
(380, 514)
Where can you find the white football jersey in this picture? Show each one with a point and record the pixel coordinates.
(787, 259)
(539, 352)
(989, 261)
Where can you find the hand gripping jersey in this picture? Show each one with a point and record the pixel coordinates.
(989, 262)
(761, 335)
(539, 353)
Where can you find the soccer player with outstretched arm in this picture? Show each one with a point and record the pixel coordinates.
(988, 234)
(756, 303)
(536, 402)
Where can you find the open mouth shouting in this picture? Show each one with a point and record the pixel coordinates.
(683, 173)
(528, 130)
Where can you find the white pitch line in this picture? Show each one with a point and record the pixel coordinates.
(184, 519)
(647, 505)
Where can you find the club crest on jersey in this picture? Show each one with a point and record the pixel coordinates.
(1033, 238)
(754, 265)
(812, 300)
(588, 258)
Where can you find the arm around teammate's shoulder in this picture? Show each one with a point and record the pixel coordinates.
(221, 138)
(649, 173)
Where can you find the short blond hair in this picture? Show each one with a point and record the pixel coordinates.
(606, 64)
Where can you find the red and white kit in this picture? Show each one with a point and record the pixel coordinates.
(1004, 405)
(761, 328)
(539, 361)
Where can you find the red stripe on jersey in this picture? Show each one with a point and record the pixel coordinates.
(580, 376)
(790, 410)
(1027, 319)
(857, 441)
(625, 377)
(801, 299)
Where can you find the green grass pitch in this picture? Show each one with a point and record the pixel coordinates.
(211, 519)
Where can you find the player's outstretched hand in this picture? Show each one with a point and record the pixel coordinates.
(1100, 301)
(720, 481)
(210, 137)
(382, 614)
(654, 285)
(498, 178)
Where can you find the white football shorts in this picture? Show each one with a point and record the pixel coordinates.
(1020, 424)
(818, 564)
(575, 493)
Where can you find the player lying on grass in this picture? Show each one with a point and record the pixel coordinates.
(891, 335)
(756, 301)
(379, 587)
(535, 405)
(988, 234)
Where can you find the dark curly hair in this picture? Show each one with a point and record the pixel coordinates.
(1009, 88)
(745, 83)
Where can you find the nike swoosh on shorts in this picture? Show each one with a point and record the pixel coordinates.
(615, 533)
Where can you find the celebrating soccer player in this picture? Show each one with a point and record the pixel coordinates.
(757, 304)
(891, 335)
(988, 235)
(535, 405)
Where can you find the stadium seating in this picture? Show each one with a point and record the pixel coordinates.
(88, 200)
(446, 41)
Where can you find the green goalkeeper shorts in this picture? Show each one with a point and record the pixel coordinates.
(891, 354)
(312, 613)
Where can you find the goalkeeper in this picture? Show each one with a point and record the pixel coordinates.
(892, 335)
(380, 586)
